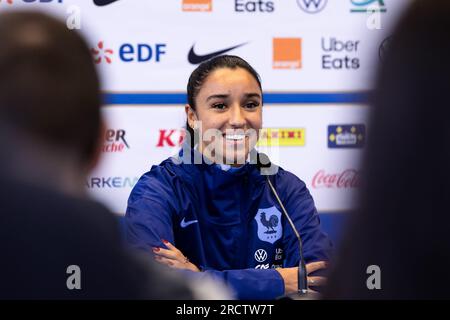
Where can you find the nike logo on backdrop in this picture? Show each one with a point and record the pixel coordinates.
(184, 224)
(197, 59)
(102, 3)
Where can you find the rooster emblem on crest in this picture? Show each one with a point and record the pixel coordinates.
(269, 224)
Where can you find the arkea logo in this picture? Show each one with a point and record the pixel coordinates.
(287, 53)
(284, 137)
(101, 53)
(312, 6)
(346, 136)
(102, 3)
(111, 182)
(368, 6)
(194, 58)
(197, 5)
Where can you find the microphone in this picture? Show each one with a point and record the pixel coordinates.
(264, 164)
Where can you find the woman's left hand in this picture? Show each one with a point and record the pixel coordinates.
(315, 281)
(173, 257)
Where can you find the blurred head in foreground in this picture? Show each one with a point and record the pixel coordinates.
(403, 225)
(49, 132)
(49, 129)
(49, 94)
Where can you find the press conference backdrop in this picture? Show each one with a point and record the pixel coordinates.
(315, 57)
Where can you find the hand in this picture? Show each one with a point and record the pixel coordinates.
(312, 267)
(290, 276)
(173, 257)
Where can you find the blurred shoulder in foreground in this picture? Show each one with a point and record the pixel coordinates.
(398, 245)
(55, 243)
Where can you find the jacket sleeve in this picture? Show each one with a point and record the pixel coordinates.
(248, 284)
(145, 230)
(300, 207)
(148, 219)
(146, 225)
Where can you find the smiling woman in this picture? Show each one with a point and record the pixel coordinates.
(228, 108)
(218, 215)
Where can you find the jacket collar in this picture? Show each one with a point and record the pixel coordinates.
(193, 162)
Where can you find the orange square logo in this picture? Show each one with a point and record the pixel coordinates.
(197, 5)
(287, 53)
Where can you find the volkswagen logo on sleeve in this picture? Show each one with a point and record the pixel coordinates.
(260, 255)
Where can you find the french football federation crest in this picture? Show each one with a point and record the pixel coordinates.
(269, 224)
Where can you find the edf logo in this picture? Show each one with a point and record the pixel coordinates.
(141, 52)
(42, 1)
(35, 1)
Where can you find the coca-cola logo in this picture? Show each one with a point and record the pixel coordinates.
(349, 178)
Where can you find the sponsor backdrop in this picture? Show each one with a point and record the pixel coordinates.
(315, 57)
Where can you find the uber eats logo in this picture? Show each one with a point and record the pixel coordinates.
(340, 54)
(254, 6)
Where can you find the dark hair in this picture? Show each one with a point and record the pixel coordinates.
(48, 83)
(199, 75)
(403, 223)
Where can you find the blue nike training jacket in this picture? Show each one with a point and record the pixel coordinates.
(228, 223)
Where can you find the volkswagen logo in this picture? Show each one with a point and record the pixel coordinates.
(260, 255)
(312, 6)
